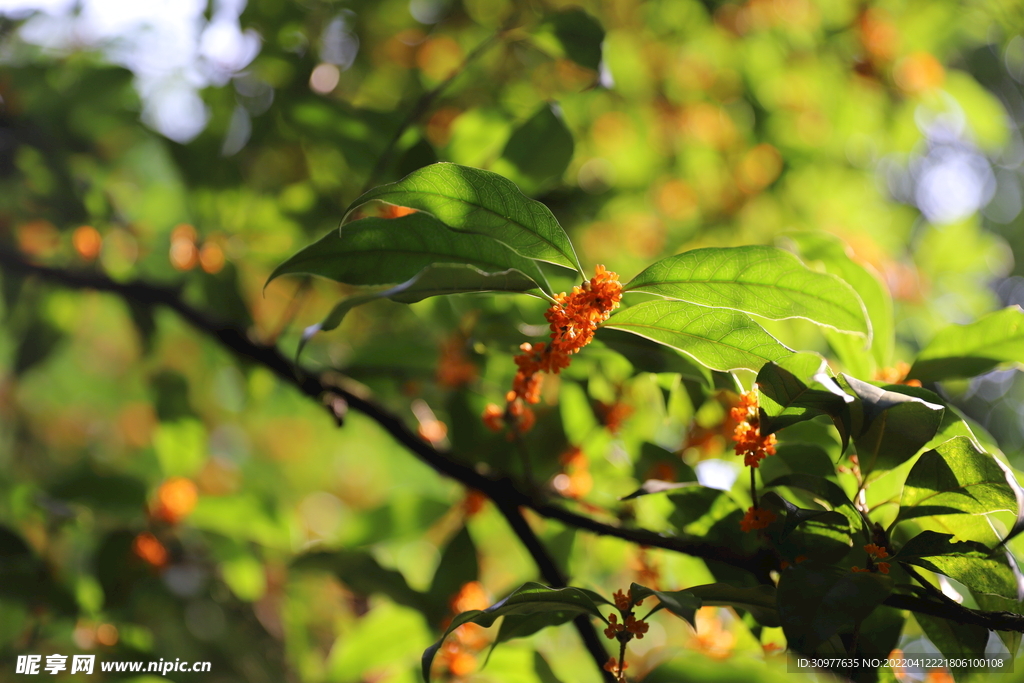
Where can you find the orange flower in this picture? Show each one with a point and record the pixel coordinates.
(876, 551)
(394, 211)
(573, 319)
(624, 601)
(454, 369)
(883, 567)
(612, 665)
(150, 549)
(614, 627)
(638, 627)
(613, 415)
(494, 417)
(756, 518)
(897, 375)
(474, 502)
(749, 443)
(176, 498)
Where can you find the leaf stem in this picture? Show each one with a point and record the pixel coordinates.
(753, 487)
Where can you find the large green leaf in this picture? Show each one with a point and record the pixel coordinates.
(956, 478)
(434, 280)
(528, 599)
(795, 389)
(716, 338)
(836, 257)
(818, 601)
(895, 425)
(762, 281)
(822, 489)
(682, 603)
(709, 514)
(480, 201)
(382, 251)
(969, 350)
(795, 515)
(969, 562)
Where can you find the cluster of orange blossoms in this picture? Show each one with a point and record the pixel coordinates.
(575, 480)
(458, 656)
(175, 499)
(573, 320)
(756, 518)
(454, 368)
(897, 375)
(631, 625)
(749, 443)
(875, 552)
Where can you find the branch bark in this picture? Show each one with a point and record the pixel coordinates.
(500, 490)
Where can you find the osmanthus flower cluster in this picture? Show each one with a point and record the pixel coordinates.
(754, 448)
(573, 320)
(875, 552)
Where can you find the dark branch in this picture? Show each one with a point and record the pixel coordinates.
(502, 491)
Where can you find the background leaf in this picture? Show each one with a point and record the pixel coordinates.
(969, 350)
(545, 130)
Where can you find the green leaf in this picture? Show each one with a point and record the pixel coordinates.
(657, 486)
(543, 670)
(458, 566)
(956, 478)
(969, 350)
(480, 201)
(835, 255)
(581, 36)
(969, 562)
(648, 356)
(758, 600)
(816, 602)
(434, 280)
(803, 458)
(896, 425)
(542, 147)
(363, 574)
(956, 641)
(717, 338)
(684, 604)
(530, 598)
(382, 251)
(795, 389)
(823, 489)
(795, 516)
(762, 281)
(708, 514)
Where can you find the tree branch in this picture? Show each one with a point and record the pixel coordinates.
(553, 577)
(501, 490)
